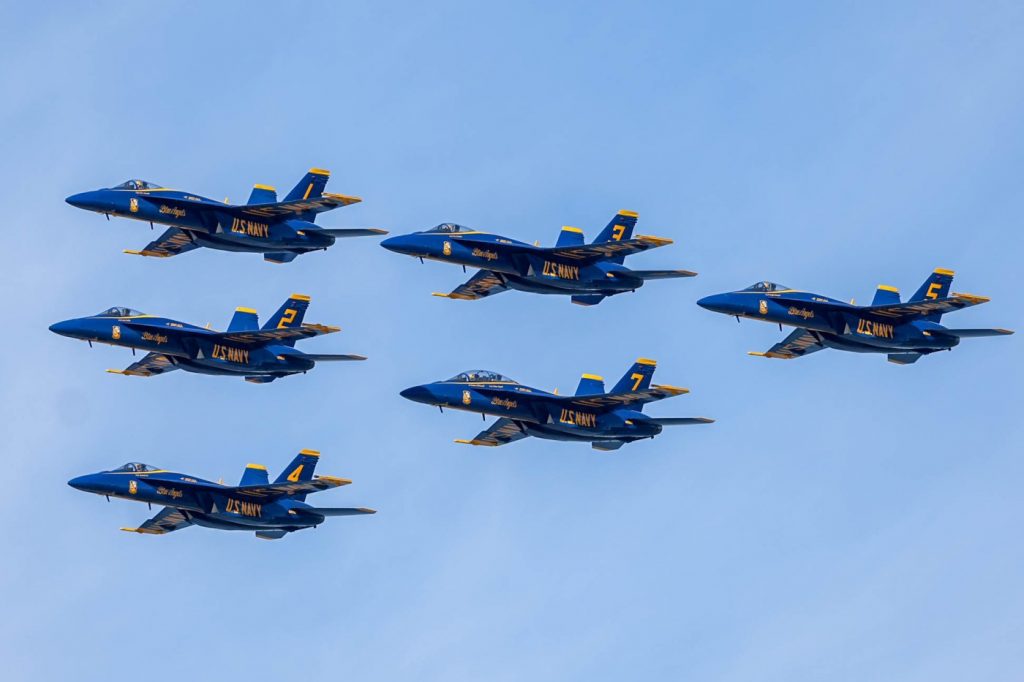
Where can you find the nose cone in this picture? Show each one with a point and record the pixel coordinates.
(89, 483)
(70, 328)
(419, 394)
(720, 303)
(406, 244)
(90, 201)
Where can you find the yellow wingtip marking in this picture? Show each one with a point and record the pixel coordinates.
(344, 198)
(757, 354)
(973, 298)
(483, 443)
(675, 390)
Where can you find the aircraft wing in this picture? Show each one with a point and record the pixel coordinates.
(501, 432)
(274, 490)
(798, 344)
(321, 204)
(151, 365)
(926, 307)
(481, 285)
(167, 520)
(171, 243)
(650, 395)
(258, 337)
(593, 252)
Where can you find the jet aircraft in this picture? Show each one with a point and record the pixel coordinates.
(902, 330)
(280, 230)
(271, 510)
(587, 272)
(607, 420)
(260, 355)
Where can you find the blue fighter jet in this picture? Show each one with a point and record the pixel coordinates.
(605, 420)
(903, 331)
(280, 230)
(271, 510)
(587, 272)
(260, 355)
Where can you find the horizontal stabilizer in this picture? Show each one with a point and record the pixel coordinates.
(657, 274)
(341, 232)
(338, 511)
(680, 421)
(327, 357)
(972, 333)
(904, 358)
(607, 445)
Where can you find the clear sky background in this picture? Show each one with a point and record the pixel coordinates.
(844, 518)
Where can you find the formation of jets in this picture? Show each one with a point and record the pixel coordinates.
(586, 273)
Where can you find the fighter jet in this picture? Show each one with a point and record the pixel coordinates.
(280, 230)
(260, 355)
(587, 273)
(903, 331)
(270, 509)
(605, 420)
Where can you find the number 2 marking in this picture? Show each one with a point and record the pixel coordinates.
(287, 318)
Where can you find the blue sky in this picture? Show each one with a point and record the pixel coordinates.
(844, 519)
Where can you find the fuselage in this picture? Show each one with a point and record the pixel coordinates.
(211, 504)
(838, 324)
(191, 348)
(523, 266)
(207, 221)
(540, 413)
